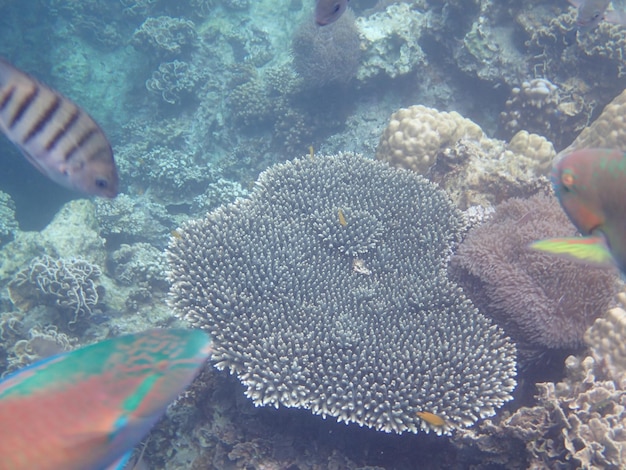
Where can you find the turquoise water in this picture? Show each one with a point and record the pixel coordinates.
(199, 97)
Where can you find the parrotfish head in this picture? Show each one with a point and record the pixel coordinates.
(573, 182)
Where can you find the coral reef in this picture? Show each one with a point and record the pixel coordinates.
(73, 233)
(415, 135)
(130, 220)
(576, 423)
(69, 284)
(38, 343)
(607, 131)
(538, 106)
(327, 289)
(8, 224)
(390, 40)
(164, 37)
(327, 55)
(174, 81)
(542, 301)
(455, 153)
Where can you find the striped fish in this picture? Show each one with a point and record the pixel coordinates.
(86, 409)
(55, 135)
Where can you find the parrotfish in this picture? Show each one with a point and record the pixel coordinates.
(329, 11)
(86, 409)
(591, 187)
(55, 135)
(592, 12)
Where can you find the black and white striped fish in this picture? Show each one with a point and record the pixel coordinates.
(55, 135)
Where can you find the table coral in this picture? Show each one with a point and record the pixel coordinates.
(354, 319)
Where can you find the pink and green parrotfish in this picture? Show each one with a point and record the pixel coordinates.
(591, 187)
(592, 12)
(86, 409)
(55, 135)
(329, 11)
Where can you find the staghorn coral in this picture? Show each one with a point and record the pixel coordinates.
(415, 135)
(70, 284)
(542, 301)
(327, 55)
(356, 320)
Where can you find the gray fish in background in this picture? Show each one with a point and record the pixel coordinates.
(55, 135)
(328, 11)
(592, 12)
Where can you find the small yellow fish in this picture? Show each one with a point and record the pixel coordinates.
(311, 153)
(176, 234)
(342, 218)
(431, 418)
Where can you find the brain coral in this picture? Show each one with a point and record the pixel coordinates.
(415, 135)
(608, 130)
(326, 289)
(541, 300)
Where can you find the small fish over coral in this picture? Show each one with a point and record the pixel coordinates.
(86, 409)
(55, 135)
(592, 12)
(329, 11)
(591, 187)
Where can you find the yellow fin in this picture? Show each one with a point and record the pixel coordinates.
(591, 249)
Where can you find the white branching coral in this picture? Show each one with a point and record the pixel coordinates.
(327, 289)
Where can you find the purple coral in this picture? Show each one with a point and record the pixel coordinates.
(541, 300)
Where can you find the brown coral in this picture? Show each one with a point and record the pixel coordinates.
(541, 300)
(415, 135)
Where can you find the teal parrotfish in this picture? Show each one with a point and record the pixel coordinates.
(86, 409)
(55, 135)
(591, 187)
(592, 12)
(329, 11)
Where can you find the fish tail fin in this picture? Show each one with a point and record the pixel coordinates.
(591, 249)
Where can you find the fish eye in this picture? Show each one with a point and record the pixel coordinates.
(336, 8)
(567, 180)
(102, 183)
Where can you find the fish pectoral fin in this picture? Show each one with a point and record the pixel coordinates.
(592, 249)
(576, 3)
(120, 463)
(616, 17)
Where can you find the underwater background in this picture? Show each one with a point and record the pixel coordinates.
(200, 97)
